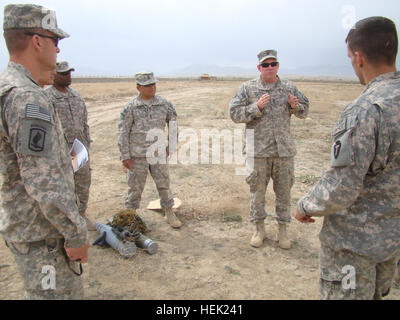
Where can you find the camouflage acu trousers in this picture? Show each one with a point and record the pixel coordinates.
(83, 179)
(46, 271)
(281, 170)
(345, 275)
(137, 180)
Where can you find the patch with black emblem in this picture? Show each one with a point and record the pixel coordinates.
(342, 150)
(336, 149)
(37, 138)
(342, 154)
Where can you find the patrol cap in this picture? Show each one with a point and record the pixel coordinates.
(27, 16)
(145, 78)
(267, 54)
(63, 66)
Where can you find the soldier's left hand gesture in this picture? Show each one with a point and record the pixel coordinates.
(293, 101)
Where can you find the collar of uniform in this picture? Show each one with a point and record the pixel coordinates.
(140, 102)
(265, 86)
(59, 94)
(382, 77)
(20, 68)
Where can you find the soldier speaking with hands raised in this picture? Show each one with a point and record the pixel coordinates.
(266, 105)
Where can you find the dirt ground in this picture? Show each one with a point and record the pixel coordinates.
(210, 256)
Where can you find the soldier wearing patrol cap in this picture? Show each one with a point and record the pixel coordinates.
(266, 105)
(39, 217)
(72, 112)
(145, 114)
(358, 196)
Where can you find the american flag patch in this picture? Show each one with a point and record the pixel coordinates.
(37, 112)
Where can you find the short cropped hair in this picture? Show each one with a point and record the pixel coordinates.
(17, 40)
(376, 38)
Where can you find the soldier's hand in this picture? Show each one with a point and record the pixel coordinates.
(303, 219)
(78, 254)
(128, 164)
(293, 101)
(263, 101)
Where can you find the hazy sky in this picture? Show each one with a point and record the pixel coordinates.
(121, 37)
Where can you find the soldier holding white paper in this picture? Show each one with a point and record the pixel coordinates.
(72, 111)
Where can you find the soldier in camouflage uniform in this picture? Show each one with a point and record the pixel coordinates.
(145, 113)
(39, 217)
(359, 194)
(266, 105)
(72, 112)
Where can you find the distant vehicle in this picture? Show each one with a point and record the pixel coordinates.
(206, 76)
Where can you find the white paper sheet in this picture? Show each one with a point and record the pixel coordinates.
(79, 155)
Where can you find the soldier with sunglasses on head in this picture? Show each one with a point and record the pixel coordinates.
(266, 105)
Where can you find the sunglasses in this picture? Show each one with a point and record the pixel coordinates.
(266, 64)
(55, 39)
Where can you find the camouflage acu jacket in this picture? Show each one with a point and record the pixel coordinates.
(37, 190)
(271, 127)
(135, 122)
(360, 194)
(72, 112)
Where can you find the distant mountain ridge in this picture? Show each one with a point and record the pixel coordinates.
(195, 70)
(219, 71)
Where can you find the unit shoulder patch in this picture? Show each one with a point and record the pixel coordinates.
(35, 137)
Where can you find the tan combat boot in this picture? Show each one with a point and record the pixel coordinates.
(283, 240)
(258, 237)
(172, 219)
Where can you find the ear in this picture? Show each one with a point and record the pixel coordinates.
(360, 60)
(35, 41)
(259, 68)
